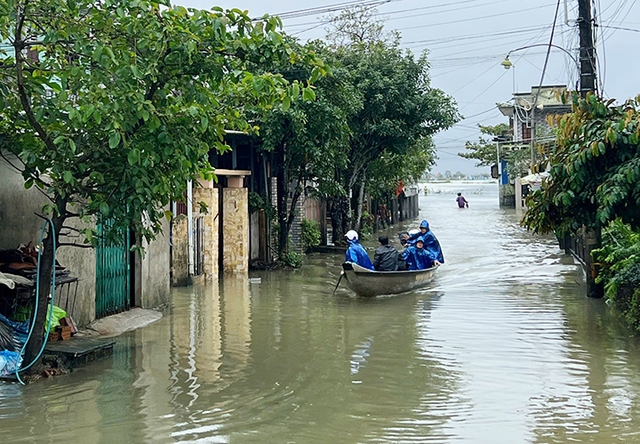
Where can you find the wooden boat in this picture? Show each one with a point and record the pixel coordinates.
(365, 282)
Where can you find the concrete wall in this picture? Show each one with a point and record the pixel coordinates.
(18, 222)
(154, 270)
(81, 262)
(20, 225)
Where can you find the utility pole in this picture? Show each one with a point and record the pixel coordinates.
(587, 51)
(592, 238)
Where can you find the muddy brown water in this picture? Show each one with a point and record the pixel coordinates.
(502, 348)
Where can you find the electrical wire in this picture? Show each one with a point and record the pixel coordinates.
(329, 8)
(546, 60)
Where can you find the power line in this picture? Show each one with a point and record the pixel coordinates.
(329, 8)
(477, 18)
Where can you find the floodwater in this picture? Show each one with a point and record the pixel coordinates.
(503, 348)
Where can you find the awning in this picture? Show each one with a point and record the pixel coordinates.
(533, 179)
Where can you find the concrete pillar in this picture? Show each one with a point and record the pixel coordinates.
(179, 252)
(235, 226)
(209, 195)
(296, 227)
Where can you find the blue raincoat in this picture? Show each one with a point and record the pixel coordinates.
(357, 254)
(417, 258)
(431, 243)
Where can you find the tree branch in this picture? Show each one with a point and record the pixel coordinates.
(19, 46)
(70, 244)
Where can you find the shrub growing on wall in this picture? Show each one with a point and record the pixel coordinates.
(310, 234)
(619, 259)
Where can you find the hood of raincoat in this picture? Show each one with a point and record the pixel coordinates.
(424, 224)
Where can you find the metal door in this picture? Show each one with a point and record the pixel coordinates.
(113, 282)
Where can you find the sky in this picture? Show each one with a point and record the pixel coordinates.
(467, 39)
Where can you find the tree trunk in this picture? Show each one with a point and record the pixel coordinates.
(358, 218)
(47, 267)
(283, 180)
(339, 220)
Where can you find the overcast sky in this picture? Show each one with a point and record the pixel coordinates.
(467, 40)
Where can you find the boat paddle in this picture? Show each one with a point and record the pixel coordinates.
(339, 279)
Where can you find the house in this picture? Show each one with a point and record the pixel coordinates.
(109, 278)
(529, 116)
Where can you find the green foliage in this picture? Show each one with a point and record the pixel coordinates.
(395, 114)
(128, 97)
(484, 150)
(385, 172)
(619, 257)
(595, 170)
(261, 203)
(619, 269)
(366, 226)
(310, 235)
(519, 162)
(291, 259)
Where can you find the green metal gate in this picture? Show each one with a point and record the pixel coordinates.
(113, 281)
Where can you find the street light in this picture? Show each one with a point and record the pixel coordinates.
(507, 63)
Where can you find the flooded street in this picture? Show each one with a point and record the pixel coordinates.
(502, 348)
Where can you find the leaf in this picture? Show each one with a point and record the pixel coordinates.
(309, 95)
(315, 74)
(134, 156)
(67, 176)
(286, 103)
(275, 37)
(104, 208)
(114, 139)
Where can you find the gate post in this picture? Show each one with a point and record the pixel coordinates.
(209, 195)
(235, 222)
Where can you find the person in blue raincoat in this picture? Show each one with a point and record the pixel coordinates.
(417, 257)
(356, 252)
(429, 239)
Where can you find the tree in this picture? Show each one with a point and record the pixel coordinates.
(389, 169)
(121, 105)
(308, 138)
(358, 25)
(399, 109)
(595, 170)
(484, 150)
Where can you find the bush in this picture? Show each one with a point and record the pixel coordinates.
(261, 203)
(310, 235)
(619, 259)
(366, 225)
(291, 259)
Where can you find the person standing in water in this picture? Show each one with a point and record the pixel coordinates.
(462, 202)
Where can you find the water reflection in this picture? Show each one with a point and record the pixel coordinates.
(502, 348)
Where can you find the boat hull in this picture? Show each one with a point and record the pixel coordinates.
(370, 283)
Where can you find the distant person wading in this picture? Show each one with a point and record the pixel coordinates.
(462, 202)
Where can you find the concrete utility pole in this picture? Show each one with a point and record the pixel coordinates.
(592, 239)
(587, 51)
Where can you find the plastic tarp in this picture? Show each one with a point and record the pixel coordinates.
(58, 313)
(10, 362)
(533, 179)
(12, 334)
